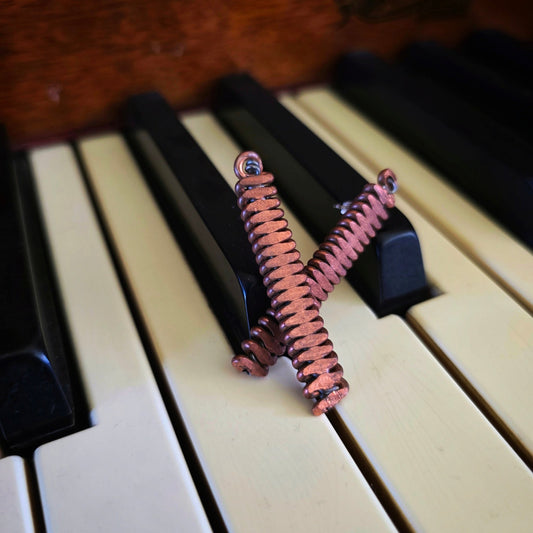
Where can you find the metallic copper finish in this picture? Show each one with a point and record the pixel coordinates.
(361, 219)
(360, 222)
(301, 329)
(262, 349)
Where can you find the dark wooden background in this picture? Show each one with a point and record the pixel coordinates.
(69, 65)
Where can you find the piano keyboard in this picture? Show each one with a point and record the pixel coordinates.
(435, 435)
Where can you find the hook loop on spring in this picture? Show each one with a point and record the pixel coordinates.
(248, 164)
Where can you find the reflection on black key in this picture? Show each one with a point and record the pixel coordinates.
(312, 178)
(483, 159)
(495, 95)
(37, 402)
(195, 199)
(512, 59)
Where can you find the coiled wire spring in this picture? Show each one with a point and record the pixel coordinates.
(361, 219)
(293, 324)
(301, 329)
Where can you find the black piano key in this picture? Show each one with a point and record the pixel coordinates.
(441, 104)
(37, 401)
(193, 195)
(495, 95)
(510, 58)
(312, 178)
(496, 175)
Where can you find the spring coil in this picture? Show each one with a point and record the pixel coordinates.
(301, 329)
(362, 218)
(359, 224)
(263, 347)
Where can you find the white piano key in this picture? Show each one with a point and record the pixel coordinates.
(478, 330)
(440, 459)
(127, 473)
(485, 335)
(15, 509)
(474, 232)
(270, 464)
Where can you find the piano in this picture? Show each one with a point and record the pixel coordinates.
(436, 433)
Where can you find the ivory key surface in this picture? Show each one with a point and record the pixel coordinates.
(15, 509)
(127, 473)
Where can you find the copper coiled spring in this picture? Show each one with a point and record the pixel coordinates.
(301, 329)
(359, 224)
(362, 218)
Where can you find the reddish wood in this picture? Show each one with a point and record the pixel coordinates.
(70, 65)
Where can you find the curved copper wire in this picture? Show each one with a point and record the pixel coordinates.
(301, 329)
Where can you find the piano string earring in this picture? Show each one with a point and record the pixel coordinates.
(362, 218)
(293, 306)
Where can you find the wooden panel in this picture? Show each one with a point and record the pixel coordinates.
(69, 66)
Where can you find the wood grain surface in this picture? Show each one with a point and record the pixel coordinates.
(67, 65)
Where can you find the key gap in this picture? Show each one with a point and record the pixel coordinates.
(373, 479)
(201, 483)
(468, 388)
(36, 504)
